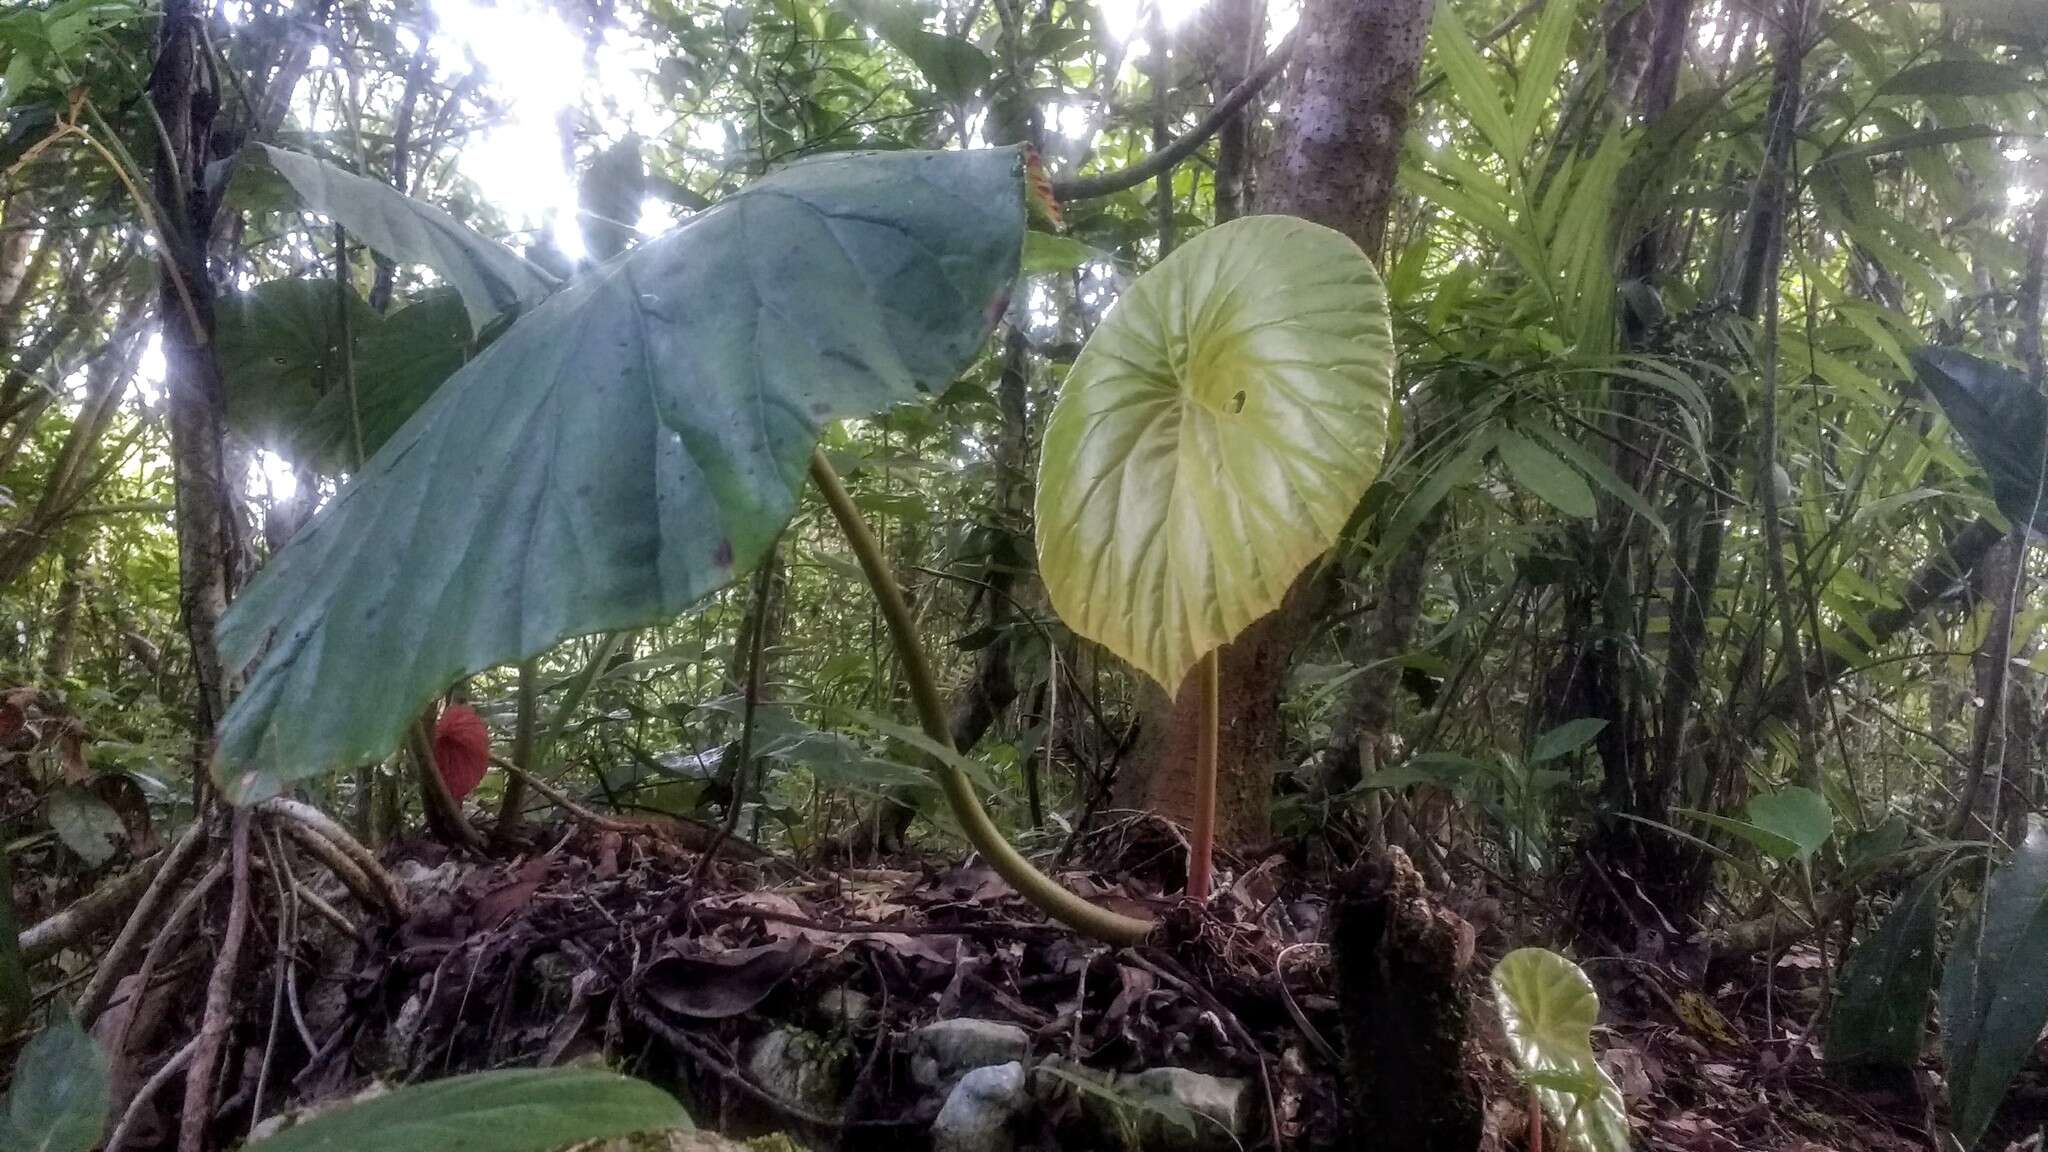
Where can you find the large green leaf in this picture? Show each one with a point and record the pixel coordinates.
(1551, 479)
(279, 346)
(955, 68)
(1881, 1013)
(1213, 438)
(491, 277)
(1789, 824)
(58, 1101)
(517, 1110)
(2003, 419)
(1564, 739)
(620, 452)
(1994, 990)
(1798, 816)
(1548, 1009)
(1960, 78)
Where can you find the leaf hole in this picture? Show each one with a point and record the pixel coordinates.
(1237, 403)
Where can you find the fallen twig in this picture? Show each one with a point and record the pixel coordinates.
(45, 938)
(1294, 1011)
(688, 833)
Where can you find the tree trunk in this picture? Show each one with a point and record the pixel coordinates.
(1332, 159)
(185, 103)
(75, 472)
(1237, 26)
(64, 629)
(1403, 962)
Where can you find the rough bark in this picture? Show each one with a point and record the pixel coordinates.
(1334, 153)
(1402, 963)
(181, 90)
(22, 251)
(1331, 158)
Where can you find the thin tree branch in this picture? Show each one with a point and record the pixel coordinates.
(1163, 159)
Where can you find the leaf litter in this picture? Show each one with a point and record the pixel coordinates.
(595, 945)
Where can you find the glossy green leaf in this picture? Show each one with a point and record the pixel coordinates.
(621, 451)
(1789, 824)
(1564, 739)
(1601, 473)
(1213, 439)
(1881, 1014)
(1959, 78)
(58, 1099)
(1994, 990)
(1543, 474)
(491, 277)
(2002, 418)
(1548, 1009)
(1799, 816)
(518, 1110)
(279, 345)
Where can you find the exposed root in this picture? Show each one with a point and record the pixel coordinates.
(220, 1000)
(353, 878)
(173, 935)
(371, 883)
(327, 912)
(183, 856)
(132, 1115)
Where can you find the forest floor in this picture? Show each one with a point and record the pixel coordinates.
(596, 942)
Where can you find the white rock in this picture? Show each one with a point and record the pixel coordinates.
(980, 1109)
(1169, 1098)
(845, 1009)
(942, 1050)
(800, 1067)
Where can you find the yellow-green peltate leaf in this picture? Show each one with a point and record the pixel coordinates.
(1548, 1009)
(1213, 438)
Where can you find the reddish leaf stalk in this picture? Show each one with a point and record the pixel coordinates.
(1203, 849)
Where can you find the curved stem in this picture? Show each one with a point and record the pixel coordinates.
(987, 839)
(1202, 847)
